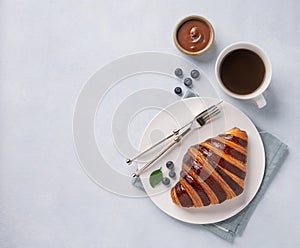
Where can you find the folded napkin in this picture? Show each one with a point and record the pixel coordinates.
(275, 153)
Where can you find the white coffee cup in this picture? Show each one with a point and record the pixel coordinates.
(257, 95)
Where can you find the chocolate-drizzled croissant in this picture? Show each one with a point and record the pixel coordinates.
(213, 171)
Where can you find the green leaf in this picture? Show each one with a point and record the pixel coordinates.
(156, 177)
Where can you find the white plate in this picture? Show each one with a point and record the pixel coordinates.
(178, 114)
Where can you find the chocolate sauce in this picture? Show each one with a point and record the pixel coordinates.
(194, 35)
(242, 71)
(227, 149)
(234, 139)
(198, 188)
(213, 158)
(183, 196)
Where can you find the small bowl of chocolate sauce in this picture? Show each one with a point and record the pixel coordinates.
(193, 35)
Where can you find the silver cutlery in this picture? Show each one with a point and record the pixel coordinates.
(201, 119)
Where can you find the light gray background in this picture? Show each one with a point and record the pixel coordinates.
(49, 49)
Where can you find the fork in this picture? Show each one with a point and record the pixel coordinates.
(202, 118)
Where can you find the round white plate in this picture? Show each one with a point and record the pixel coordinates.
(180, 113)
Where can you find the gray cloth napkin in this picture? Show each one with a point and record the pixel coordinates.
(275, 153)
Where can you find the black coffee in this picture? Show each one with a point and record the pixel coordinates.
(242, 71)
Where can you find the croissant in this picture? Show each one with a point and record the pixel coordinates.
(212, 171)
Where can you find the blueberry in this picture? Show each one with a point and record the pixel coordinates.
(195, 74)
(172, 174)
(166, 181)
(170, 165)
(178, 91)
(178, 72)
(188, 82)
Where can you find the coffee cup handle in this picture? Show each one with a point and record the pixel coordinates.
(260, 101)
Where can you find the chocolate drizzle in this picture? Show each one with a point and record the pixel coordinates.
(234, 139)
(183, 196)
(227, 149)
(213, 158)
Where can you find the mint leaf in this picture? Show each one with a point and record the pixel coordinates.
(156, 177)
